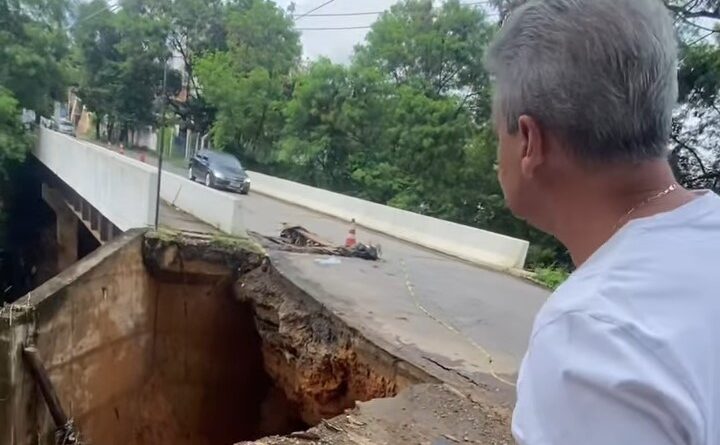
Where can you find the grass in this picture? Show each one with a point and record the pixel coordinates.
(551, 277)
(166, 235)
(217, 240)
(235, 243)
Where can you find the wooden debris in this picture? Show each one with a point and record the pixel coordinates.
(295, 238)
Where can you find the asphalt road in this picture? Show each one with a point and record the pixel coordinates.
(452, 313)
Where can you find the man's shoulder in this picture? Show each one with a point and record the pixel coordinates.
(579, 295)
(658, 274)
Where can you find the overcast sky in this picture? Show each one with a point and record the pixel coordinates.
(337, 45)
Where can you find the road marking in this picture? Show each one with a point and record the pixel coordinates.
(411, 290)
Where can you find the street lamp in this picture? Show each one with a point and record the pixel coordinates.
(162, 144)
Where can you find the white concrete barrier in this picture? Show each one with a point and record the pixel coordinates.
(219, 209)
(468, 243)
(122, 189)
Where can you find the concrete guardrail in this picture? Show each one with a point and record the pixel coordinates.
(121, 188)
(124, 190)
(464, 242)
(219, 209)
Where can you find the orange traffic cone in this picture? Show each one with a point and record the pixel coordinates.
(351, 240)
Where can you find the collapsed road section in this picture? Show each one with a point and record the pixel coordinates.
(168, 338)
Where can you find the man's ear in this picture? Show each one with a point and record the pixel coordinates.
(533, 145)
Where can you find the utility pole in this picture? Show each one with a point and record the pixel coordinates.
(162, 143)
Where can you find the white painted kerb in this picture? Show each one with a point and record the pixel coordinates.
(122, 189)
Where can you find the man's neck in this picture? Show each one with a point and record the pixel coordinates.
(588, 215)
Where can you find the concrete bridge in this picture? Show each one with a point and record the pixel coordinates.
(440, 285)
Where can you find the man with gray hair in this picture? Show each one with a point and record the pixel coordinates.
(627, 351)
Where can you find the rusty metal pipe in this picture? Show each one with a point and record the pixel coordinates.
(65, 431)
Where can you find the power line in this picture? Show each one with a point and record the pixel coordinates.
(108, 8)
(352, 14)
(349, 28)
(313, 10)
(344, 14)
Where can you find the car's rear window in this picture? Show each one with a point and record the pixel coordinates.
(225, 160)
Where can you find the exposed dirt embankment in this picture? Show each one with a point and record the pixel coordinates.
(323, 365)
(317, 367)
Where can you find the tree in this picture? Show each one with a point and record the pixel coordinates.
(261, 35)
(96, 39)
(316, 138)
(696, 130)
(121, 56)
(249, 116)
(439, 50)
(195, 30)
(247, 83)
(34, 46)
(14, 138)
(143, 53)
(708, 9)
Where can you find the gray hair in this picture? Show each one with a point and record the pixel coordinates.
(601, 74)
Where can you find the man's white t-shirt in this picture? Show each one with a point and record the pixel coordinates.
(627, 351)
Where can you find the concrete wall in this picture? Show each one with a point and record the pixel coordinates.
(135, 359)
(468, 243)
(92, 325)
(219, 209)
(122, 189)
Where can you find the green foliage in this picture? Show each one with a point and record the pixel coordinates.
(246, 84)
(14, 139)
(121, 59)
(248, 109)
(699, 74)
(33, 47)
(439, 50)
(551, 277)
(195, 29)
(316, 137)
(261, 35)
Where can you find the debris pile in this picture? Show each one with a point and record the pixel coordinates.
(295, 238)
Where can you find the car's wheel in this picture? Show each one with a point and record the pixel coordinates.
(208, 180)
(191, 176)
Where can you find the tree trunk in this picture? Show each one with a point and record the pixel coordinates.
(124, 134)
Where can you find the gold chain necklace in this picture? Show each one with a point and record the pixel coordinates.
(626, 217)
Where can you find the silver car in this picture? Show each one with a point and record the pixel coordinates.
(219, 170)
(64, 126)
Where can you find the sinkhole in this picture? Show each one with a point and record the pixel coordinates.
(155, 339)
